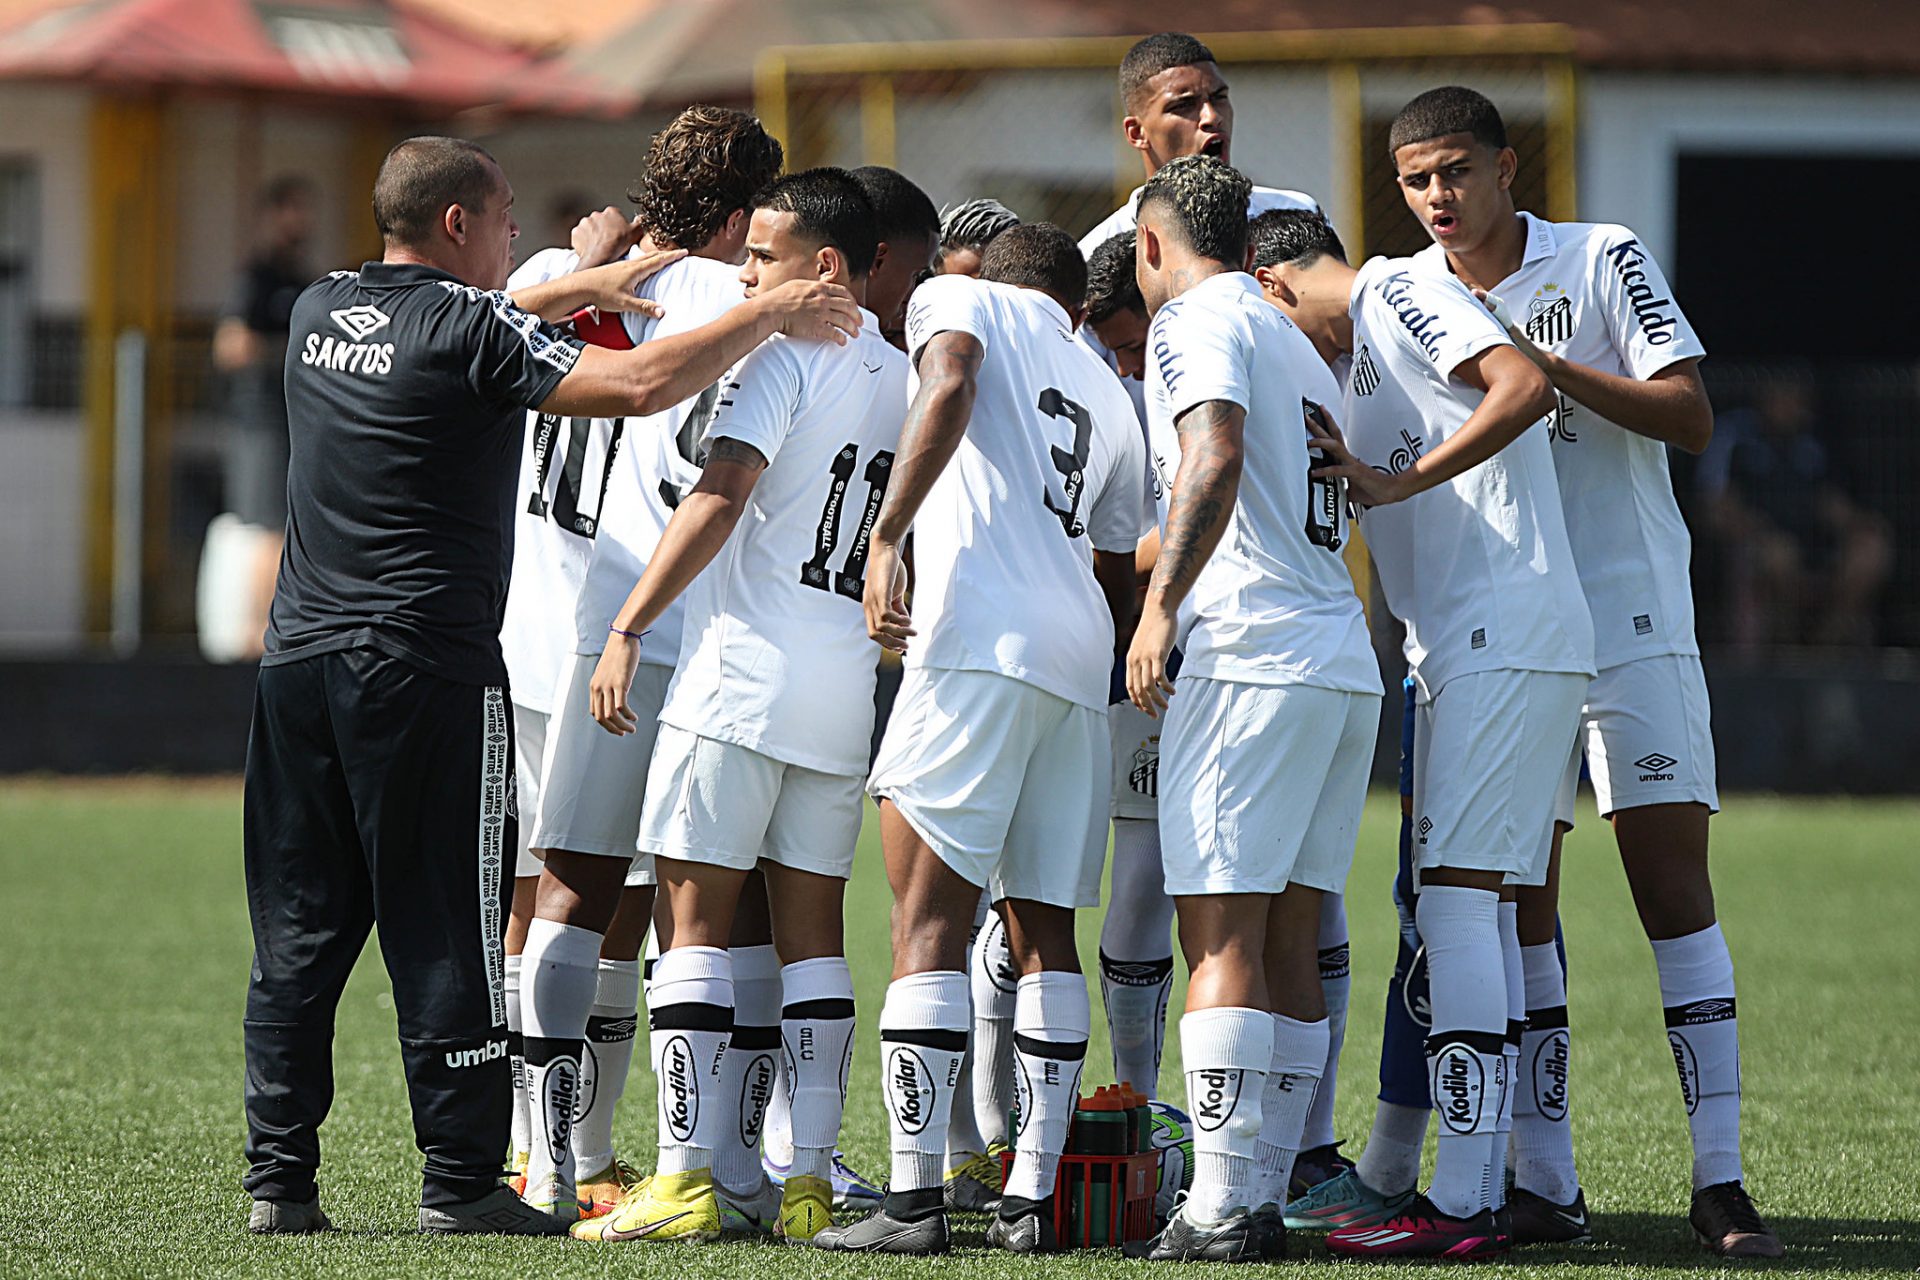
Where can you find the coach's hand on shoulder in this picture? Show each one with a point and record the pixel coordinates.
(1147, 683)
(611, 287)
(604, 235)
(612, 681)
(885, 597)
(812, 309)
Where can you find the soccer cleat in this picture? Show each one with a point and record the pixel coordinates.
(974, 1185)
(546, 1196)
(1235, 1238)
(667, 1206)
(600, 1193)
(1343, 1201)
(1538, 1220)
(754, 1213)
(1271, 1222)
(1030, 1231)
(1419, 1230)
(287, 1218)
(879, 1233)
(806, 1209)
(1725, 1221)
(497, 1213)
(1314, 1166)
(851, 1191)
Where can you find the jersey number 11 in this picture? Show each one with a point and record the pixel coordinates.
(851, 581)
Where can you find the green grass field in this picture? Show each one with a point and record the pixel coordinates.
(127, 952)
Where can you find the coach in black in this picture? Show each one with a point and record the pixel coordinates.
(379, 788)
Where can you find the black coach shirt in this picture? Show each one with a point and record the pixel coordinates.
(407, 394)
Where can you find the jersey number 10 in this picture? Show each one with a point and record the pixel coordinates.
(851, 581)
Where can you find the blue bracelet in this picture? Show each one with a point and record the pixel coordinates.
(631, 635)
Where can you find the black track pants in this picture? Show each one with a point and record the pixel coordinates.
(378, 795)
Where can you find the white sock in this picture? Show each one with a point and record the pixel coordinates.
(559, 973)
(1511, 968)
(1696, 986)
(1293, 1078)
(691, 1014)
(1542, 1127)
(517, 1064)
(1466, 1051)
(816, 1032)
(1226, 1053)
(992, 980)
(964, 1139)
(923, 1036)
(1336, 987)
(611, 1027)
(1391, 1162)
(748, 1068)
(1051, 1022)
(1136, 955)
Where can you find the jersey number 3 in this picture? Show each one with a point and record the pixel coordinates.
(1072, 466)
(851, 581)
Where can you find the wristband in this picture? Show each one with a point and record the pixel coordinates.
(631, 635)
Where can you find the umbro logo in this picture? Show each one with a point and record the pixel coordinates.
(1426, 828)
(361, 320)
(1656, 767)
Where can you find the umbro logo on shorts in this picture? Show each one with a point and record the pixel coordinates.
(1658, 767)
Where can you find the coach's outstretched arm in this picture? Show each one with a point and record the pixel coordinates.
(607, 287)
(949, 368)
(1212, 451)
(658, 375)
(1516, 396)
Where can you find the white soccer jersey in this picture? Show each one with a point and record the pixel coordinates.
(1052, 464)
(1592, 293)
(1274, 603)
(564, 467)
(775, 656)
(655, 465)
(1478, 568)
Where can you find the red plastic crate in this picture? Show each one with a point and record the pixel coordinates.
(1080, 1221)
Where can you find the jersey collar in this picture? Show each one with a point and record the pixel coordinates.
(1541, 242)
(376, 275)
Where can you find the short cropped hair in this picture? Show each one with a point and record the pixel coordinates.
(1037, 255)
(1112, 284)
(830, 208)
(901, 210)
(422, 177)
(1293, 237)
(1450, 109)
(704, 165)
(1151, 56)
(1205, 199)
(972, 224)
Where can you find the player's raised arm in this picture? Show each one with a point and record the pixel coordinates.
(660, 374)
(949, 366)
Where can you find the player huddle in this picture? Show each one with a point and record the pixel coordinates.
(1097, 499)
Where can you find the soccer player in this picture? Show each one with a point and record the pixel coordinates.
(966, 230)
(616, 482)
(765, 729)
(909, 230)
(1269, 733)
(1116, 313)
(380, 757)
(1021, 473)
(1588, 304)
(1472, 552)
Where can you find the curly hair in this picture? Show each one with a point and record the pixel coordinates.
(1206, 199)
(709, 162)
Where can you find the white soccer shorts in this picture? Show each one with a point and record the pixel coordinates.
(731, 806)
(1647, 732)
(1007, 782)
(1135, 736)
(1489, 752)
(529, 745)
(593, 783)
(1262, 785)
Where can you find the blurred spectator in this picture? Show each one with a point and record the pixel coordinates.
(1804, 562)
(250, 346)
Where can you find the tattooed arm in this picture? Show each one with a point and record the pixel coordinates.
(693, 537)
(936, 423)
(1212, 447)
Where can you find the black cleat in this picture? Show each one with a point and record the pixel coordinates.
(1235, 1238)
(1271, 1221)
(497, 1213)
(1314, 1166)
(1538, 1220)
(880, 1232)
(1027, 1229)
(287, 1218)
(1725, 1221)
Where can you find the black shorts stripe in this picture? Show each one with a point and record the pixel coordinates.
(690, 1017)
(818, 1011)
(1061, 1050)
(926, 1037)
